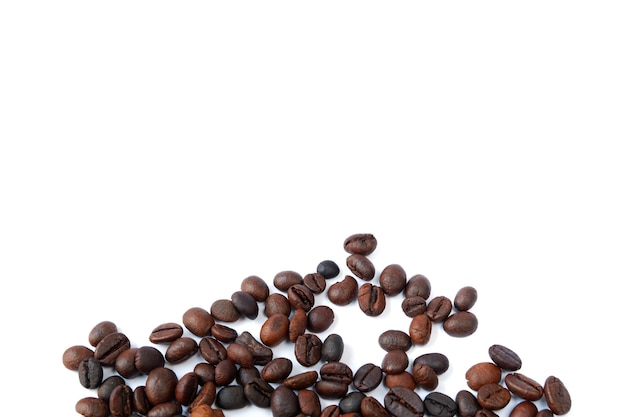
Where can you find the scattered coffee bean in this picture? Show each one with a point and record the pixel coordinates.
(277, 303)
(256, 287)
(332, 348)
(92, 407)
(465, 298)
(110, 347)
(298, 324)
(523, 386)
(395, 361)
(505, 358)
(392, 279)
(438, 404)
(394, 339)
(439, 308)
(557, 396)
(90, 373)
(225, 372)
(481, 374)
(351, 402)
(316, 282)
(161, 385)
(121, 401)
(277, 370)
(360, 243)
(225, 310)
(403, 379)
(240, 355)
(308, 349)
(206, 396)
(186, 388)
(371, 407)
(284, 402)
(467, 404)
(414, 305)
(461, 324)
(148, 357)
(361, 266)
(331, 390)
(403, 402)
(198, 321)
(245, 304)
(107, 386)
(212, 350)
(300, 296)
(165, 333)
(223, 333)
(328, 269)
(100, 331)
(309, 403)
(371, 299)
(301, 381)
(420, 329)
(524, 409)
(274, 330)
(343, 292)
(231, 397)
(261, 354)
(425, 377)
(367, 377)
(286, 279)
(418, 285)
(74, 355)
(437, 361)
(493, 396)
(320, 318)
(258, 392)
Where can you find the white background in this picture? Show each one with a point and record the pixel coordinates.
(153, 154)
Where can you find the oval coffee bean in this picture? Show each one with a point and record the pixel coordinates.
(331, 410)
(343, 292)
(186, 388)
(466, 404)
(121, 401)
(198, 321)
(277, 369)
(223, 333)
(392, 279)
(523, 386)
(240, 355)
(320, 318)
(331, 390)
(100, 330)
(418, 285)
(125, 363)
(332, 348)
(256, 287)
(395, 361)
(420, 329)
(224, 310)
(165, 333)
(168, 409)
(367, 377)
(308, 349)
(481, 374)
(437, 361)
(424, 376)
(465, 298)
(261, 353)
(181, 349)
(231, 397)
(147, 358)
(245, 303)
(258, 392)
(403, 402)
(107, 386)
(412, 306)
(74, 355)
(361, 266)
(161, 385)
(206, 396)
(461, 324)
(90, 373)
(371, 299)
(110, 347)
(301, 381)
(524, 409)
(371, 407)
(361, 243)
(439, 405)
(336, 372)
(328, 269)
(284, 402)
(316, 282)
(403, 379)
(274, 330)
(286, 279)
(225, 372)
(483, 412)
(545, 413)
(493, 396)
(505, 358)
(300, 296)
(298, 324)
(92, 407)
(351, 403)
(140, 400)
(212, 350)
(439, 308)
(246, 375)
(394, 339)
(557, 396)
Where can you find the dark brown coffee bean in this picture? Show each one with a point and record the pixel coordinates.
(438, 404)
(392, 279)
(328, 269)
(316, 282)
(258, 392)
(336, 372)
(277, 369)
(298, 324)
(107, 386)
(140, 400)
(110, 347)
(206, 396)
(403, 402)
(167, 409)
(524, 409)
(439, 308)
(331, 390)
(309, 403)
(245, 303)
(246, 375)
(100, 330)
(351, 402)
(181, 349)
(424, 376)
(161, 385)
(371, 300)
(343, 292)
(240, 355)
(523, 386)
(205, 372)
(403, 379)
(461, 324)
(412, 306)
(557, 396)
(420, 329)
(286, 279)
(371, 407)
(186, 388)
(301, 381)
(223, 333)
(545, 413)
(465, 298)
(224, 310)
(361, 266)
(92, 407)
(331, 411)
(493, 396)
(256, 287)
(367, 377)
(147, 358)
(505, 358)
(125, 363)
(202, 410)
(320, 318)
(332, 348)
(308, 349)
(90, 373)
(225, 372)
(274, 330)
(394, 339)
(483, 412)
(73, 355)
(198, 321)
(261, 354)
(395, 361)
(300, 296)
(284, 403)
(360, 243)
(437, 361)
(165, 333)
(467, 404)
(418, 285)
(277, 303)
(481, 374)
(121, 401)
(212, 350)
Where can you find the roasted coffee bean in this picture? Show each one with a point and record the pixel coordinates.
(523, 386)
(467, 404)
(107, 386)
(286, 279)
(412, 306)
(331, 410)
(198, 321)
(371, 299)
(73, 355)
(524, 409)
(351, 402)
(360, 243)
(309, 403)
(392, 279)
(100, 331)
(438, 404)
(481, 374)
(165, 333)
(284, 403)
(403, 402)
(277, 369)
(418, 285)
(274, 330)
(420, 329)
(298, 324)
(258, 392)
(206, 396)
(320, 318)
(181, 349)
(438, 309)
(225, 372)
(205, 372)
(557, 396)
(394, 339)
(461, 324)
(343, 292)
(125, 363)
(277, 303)
(403, 379)
(301, 381)
(367, 377)
(256, 287)
(148, 357)
(545, 413)
(140, 400)
(395, 361)
(92, 407)
(328, 269)
(483, 412)
(331, 390)
(437, 361)
(110, 347)
(203, 410)
(240, 355)
(300, 296)
(224, 310)
(371, 407)
(121, 401)
(465, 298)
(223, 333)
(424, 376)
(90, 373)
(212, 350)
(505, 358)
(261, 354)
(245, 303)
(493, 396)
(332, 348)
(336, 372)
(161, 385)
(308, 349)
(167, 409)
(231, 397)
(245, 375)
(316, 282)
(186, 388)
(361, 266)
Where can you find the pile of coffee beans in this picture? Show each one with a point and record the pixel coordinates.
(238, 369)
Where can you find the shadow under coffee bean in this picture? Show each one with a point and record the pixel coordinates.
(235, 370)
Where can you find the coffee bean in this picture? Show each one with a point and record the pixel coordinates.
(301, 381)
(92, 407)
(258, 392)
(392, 279)
(437, 361)
(198, 321)
(438, 404)
(361, 266)
(557, 396)
(256, 287)
(121, 401)
(328, 269)
(286, 279)
(395, 361)
(110, 347)
(90, 373)
(403, 402)
(308, 349)
(147, 358)
(371, 407)
(140, 400)
(246, 375)
(523, 386)
(205, 372)
(403, 379)
(225, 372)
(420, 329)
(284, 402)
(343, 292)
(181, 349)
(309, 403)
(332, 348)
(73, 355)
(493, 396)
(206, 396)
(360, 243)
(412, 306)
(125, 363)
(167, 409)
(336, 372)
(316, 282)
(467, 404)
(186, 388)
(461, 324)
(240, 355)
(261, 354)
(300, 296)
(224, 310)
(481, 374)
(394, 339)
(545, 413)
(331, 410)
(274, 330)
(161, 385)
(424, 376)
(245, 304)
(100, 331)
(367, 377)
(331, 390)
(212, 350)
(277, 303)
(505, 358)
(223, 333)
(439, 308)
(418, 285)
(524, 409)
(483, 412)
(298, 324)
(371, 299)
(203, 410)
(351, 402)
(465, 298)
(277, 369)
(107, 386)
(320, 318)
(165, 333)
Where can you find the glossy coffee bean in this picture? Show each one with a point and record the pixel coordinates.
(245, 303)
(205, 372)
(203, 410)
(403, 379)
(186, 388)
(246, 375)
(403, 402)
(371, 407)
(328, 269)
(465, 298)
(336, 372)
(483, 412)
(181, 349)
(420, 329)
(258, 392)
(467, 404)
(261, 354)
(274, 330)
(524, 409)
(223, 333)
(161, 385)
(224, 310)
(165, 333)
(360, 243)
(351, 402)
(437, 361)
(298, 324)
(461, 324)
(206, 396)
(110, 347)
(277, 303)
(316, 282)
(424, 376)
(523, 386)
(121, 401)
(100, 331)
(545, 413)
(225, 372)
(140, 400)
(368, 377)
(256, 287)
(438, 404)
(107, 386)
(371, 299)
(505, 358)
(394, 339)
(240, 355)
(300, 296)
(309, 403)
(231, 397)
(481, 374)
(395, 361)
(277, 370)
(331, 410)
(343, 292)
(90, 373)
(332, 348)
(320, 318)
(493, 396)
(301, 380)
(418, 285)
(308, 349)
(147, 358)
(414, 305)
(125, 363)
(361, 267)
(167, 409)
(331, 390)
(198, 321)
(438, 309)
(286, 279)
(212, 350)
(284, 402)
(92, 407)
(557, 396)
(392, 279)
(73, 355)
